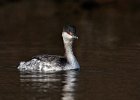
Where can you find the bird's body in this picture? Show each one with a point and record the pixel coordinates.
(46, 63)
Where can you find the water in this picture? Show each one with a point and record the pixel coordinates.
(113, 75)
(69, 85)
(108, 50)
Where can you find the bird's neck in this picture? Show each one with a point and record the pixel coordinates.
(69, 54)
(68, 49)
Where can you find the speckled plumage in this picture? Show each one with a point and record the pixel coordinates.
(42, 63)
(59, 60)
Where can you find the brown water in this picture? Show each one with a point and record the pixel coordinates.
(108, 51)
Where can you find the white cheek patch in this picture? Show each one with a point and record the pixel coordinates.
(66, 35)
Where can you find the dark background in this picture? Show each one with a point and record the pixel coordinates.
(31, 27)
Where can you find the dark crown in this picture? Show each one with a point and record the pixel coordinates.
(69, 28)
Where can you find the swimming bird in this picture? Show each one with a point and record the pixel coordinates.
(47, 63)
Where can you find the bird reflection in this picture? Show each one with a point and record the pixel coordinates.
(53, 85)
(69, 87)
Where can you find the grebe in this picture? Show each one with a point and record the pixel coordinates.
(46, 63)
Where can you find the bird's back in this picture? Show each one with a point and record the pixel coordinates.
(52, 59)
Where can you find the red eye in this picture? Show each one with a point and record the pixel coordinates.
(69, 33)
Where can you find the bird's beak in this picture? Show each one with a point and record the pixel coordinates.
(75, 37)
